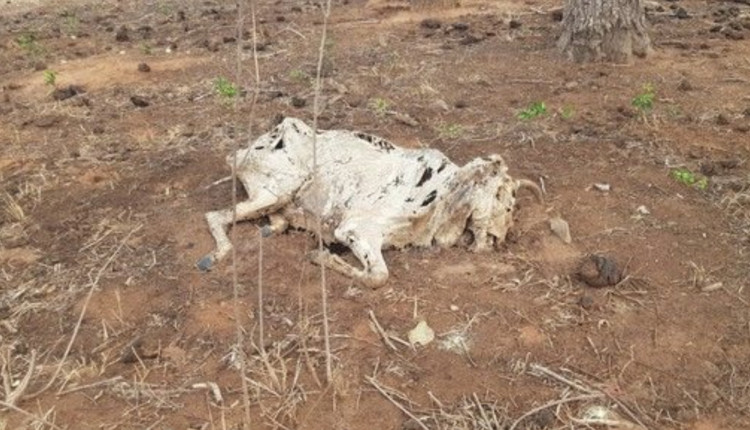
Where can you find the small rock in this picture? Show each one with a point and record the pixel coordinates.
(460, 104)
(454, 308)
(599, 271)
(557, 14)
(298, 102)
(470, 39)
(430, 23)
(228, 39)
(122, 34)
(685, 85)
(405, 119)
(602, 187)
(733, 35)
(586, 302)
(421, 335)
(681, 13)
(514, 24)
(143, 67)
(440, 104)
(40, 65)
(460, 26)
(560, 227)
(722, 119)
(46, 121)
(139, 101)
(642, 210)
(65, 93)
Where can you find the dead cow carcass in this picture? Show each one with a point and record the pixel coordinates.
(369, 194)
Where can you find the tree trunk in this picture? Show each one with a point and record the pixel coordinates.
(609, 30)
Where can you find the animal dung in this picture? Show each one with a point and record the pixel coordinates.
(599, 271)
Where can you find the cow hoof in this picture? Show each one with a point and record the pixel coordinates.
(205, 264)
(317, 256)
(266, 231)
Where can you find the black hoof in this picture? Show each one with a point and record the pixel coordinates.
(205, 264)
(266, 231)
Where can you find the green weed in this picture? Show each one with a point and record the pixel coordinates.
(50, 77)
(645, 100)
(534, 110)
(450, 131)
(379, 106)
(29, 43)
(567, 112)
(225, 89)
(299, 76)
(687, 177)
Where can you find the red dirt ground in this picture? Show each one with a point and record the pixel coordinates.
(99, 192)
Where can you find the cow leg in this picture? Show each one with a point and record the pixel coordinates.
(218, 221)
(367, 249)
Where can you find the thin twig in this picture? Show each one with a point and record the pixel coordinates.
(29, 414)
(554, 403)
(92, 287)
(372, 381)
(381, 332)
(316, 103)
(235, 283)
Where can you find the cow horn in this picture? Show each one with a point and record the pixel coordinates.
(525, 183)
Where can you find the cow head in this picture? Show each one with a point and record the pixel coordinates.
(493, 200)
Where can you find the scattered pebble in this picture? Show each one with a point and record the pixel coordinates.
(681, 13)
(421, 335)
(602, 187)
(122, 34)
(722, 119)
(685, 85)
(139, 101)
(143, 67)
(560, 227)
(712, 287)
(514, 24)
(430, 23)
(643, 210)
(586, 302)
(298, 102)
(65, 93)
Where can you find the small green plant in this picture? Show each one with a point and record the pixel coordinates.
(146, 49)
(450, 131)
(567, 112)
(687, 177)
(70, 24)
(379, 106)
(645, 100)
(225, 89)
(299, 76)
(29, 44)
(50, 77)
(534, 110)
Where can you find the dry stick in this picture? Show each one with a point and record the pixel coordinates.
(92, 287)
(381, 332)
(316, 101)
(372, 381)
(554, 403)
(29, 414)
(235, 283)
(11, 396)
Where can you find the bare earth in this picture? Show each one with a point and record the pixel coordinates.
(100, 195)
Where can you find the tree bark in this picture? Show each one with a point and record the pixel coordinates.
(608, 30)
